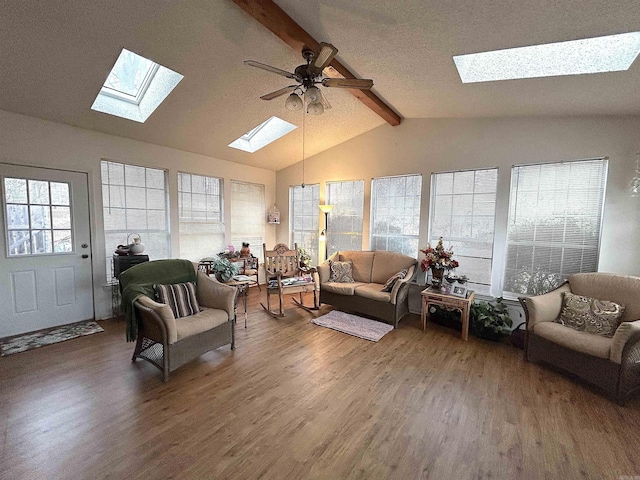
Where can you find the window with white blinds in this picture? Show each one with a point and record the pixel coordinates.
(395, 213)
(248, 216)
(463, 206)
(134, 200)
(555, 217)
(201, 216)
(345, 219)
(304, 215)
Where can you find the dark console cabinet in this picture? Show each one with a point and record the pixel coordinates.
(123, 262)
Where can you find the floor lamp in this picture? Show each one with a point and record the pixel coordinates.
(323, 235)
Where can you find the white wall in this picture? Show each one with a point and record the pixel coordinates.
(426, 146)
(40, 143)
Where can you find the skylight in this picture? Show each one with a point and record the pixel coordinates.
(612, 53)
(262, 135)
(135, 87)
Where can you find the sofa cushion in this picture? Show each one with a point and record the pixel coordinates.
(584, 342)
(362, 263)
(341, 288)
(590, 315)
(374, 292)
(622, 289)
(340, 272)
(205, 320)
(388, 285)
(386, 264)
(181, 298)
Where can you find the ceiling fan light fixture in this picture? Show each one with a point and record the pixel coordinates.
(315, 108)
(293, 102)
(312, 94)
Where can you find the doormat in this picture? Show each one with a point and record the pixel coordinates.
(353, 325)
(29, 341)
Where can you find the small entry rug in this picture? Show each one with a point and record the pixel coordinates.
(29, 341)
(354, 325)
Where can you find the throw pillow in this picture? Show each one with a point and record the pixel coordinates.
(181, 298)
(388, 285)
(341, 272)
(590, 315)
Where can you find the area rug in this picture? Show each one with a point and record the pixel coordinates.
(353, 325)
(29, 341)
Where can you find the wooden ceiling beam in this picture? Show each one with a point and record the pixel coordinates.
(284, 27)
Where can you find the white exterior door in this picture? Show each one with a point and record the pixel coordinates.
(45, 249)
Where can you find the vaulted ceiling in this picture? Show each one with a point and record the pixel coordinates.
(56, 55)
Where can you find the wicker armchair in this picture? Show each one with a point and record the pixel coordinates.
(169, 343)
(612, 364)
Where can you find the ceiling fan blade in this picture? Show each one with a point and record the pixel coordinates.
(269, 68)
(278, 93)
(324, 101)
(360, 83)
(327, 52)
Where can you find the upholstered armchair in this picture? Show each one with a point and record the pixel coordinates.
(610, 363)
(164, 340)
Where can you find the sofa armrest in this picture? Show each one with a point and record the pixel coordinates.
(323, 272)
(163, 313)
(400, 284)
(544, 308)
(214, 294)
(625, 331)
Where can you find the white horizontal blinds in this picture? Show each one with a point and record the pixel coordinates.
(134, 200)
(345, 219)
(395, 213)
(304, 216)
(463, 206)
(555, 217)
(248, 216)
(201, 216)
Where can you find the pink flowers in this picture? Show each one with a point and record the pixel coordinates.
(438, 258)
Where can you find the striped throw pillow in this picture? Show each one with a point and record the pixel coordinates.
(388, 286)
(181, 298)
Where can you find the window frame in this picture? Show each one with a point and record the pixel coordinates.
(330, 201)
(314, 213)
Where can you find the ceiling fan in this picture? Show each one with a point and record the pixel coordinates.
(308, 76)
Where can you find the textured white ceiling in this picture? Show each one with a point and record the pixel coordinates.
(56, 55)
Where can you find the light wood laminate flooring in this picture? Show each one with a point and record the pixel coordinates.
(296, 400)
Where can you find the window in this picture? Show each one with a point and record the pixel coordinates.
(248, 215)
(135, 87)
(303, 217)
(38, 217)
(463, 206)
(262, 135)
(395, 213)
(555, 217)
(201, 216)
(134, 200)
(345, 220)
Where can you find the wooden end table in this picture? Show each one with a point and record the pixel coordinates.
(445, 300)
(242, 287)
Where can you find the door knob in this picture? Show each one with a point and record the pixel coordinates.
(85, 256)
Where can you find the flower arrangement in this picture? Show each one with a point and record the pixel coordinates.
(438, 258)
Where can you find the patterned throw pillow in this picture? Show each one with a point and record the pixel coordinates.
(590, 315)
(181, 298)
(388, 286)
(340, 272)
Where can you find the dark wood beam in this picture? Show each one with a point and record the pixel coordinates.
(282, 25)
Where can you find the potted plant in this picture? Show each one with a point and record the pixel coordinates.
(305, 258)
(439, 260)
(489, 320)
(224, 269)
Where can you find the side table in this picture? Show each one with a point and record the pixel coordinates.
(242, 287)
(438, 298)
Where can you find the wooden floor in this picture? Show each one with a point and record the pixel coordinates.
(298, 401)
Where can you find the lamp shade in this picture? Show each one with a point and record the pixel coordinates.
(312, 95)
(293, 102)
(315, 108)
(326, 208)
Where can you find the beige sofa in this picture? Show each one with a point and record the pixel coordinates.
(370, 271)
(612, 364)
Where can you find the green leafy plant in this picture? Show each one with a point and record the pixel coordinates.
(224, 269)
(305, 258)
(489, 320)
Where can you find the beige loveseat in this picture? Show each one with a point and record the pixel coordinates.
(613, 364)
(370, 271)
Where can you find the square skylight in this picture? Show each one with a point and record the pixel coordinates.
(135, 87)
(612, 53)
(262, 135)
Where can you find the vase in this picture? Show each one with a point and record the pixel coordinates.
(436, 277)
